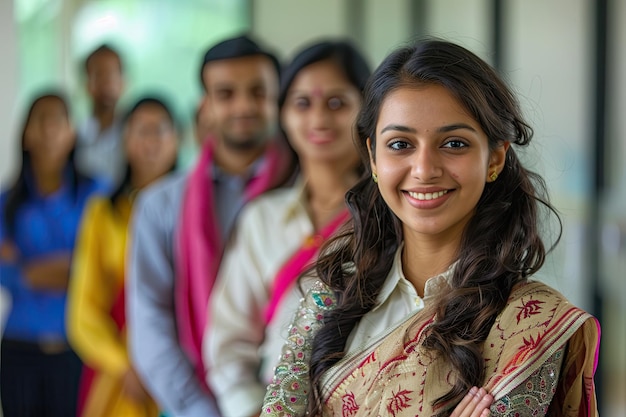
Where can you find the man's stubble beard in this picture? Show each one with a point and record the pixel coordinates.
(251, 142)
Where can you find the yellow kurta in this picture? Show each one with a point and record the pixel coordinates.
(97, 279)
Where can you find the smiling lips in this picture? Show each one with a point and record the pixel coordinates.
(320, 139)
(427, 196)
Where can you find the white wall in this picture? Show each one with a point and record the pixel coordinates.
(289, 24)
(8, 92)
(550, 64)
(466, 22)
(386, 26)
(286, 24)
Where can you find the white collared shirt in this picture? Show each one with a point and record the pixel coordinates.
(100, 154)
(396, 301)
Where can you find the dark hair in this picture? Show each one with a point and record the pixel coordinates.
(103, 49)
(20, 191)
(500, 247)
(124, 185)
(236, 47)
(347, 57)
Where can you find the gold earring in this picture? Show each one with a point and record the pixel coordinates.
(375, 177)
(493, 176)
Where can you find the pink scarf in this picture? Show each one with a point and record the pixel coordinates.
(299, 261)
(198, 244)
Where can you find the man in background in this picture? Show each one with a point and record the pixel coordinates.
(99, 149)
(181, 225)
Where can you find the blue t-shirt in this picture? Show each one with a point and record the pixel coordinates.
(44, 225)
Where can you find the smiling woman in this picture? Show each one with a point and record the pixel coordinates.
(425, 304)
(432, 160)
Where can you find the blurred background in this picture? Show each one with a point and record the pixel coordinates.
(565, 58)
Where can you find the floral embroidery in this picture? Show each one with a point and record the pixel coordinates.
(531, 343)
(323, 300)
(287, 395)
(400, 400)
(528, 309)
(349, 407)
(529, 346)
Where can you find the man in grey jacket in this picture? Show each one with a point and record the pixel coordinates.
(181, 224)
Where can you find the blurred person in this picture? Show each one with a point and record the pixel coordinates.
(426, 304)
(100, 151)
(180, 225)
(279, 233)
(40, 214)
(96, 318)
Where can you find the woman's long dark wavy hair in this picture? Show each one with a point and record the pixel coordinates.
(20, 192)
(500, 247)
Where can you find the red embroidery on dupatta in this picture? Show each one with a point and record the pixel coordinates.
(528, 309)
(349, 407)
(399, 401)
(524, 351)
(371, 358)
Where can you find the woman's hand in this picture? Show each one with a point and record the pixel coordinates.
(8, 253)
(475, 404)
(49, 274)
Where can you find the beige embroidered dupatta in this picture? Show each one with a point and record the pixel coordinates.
(397, 377)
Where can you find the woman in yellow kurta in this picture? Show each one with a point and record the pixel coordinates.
(95, 317)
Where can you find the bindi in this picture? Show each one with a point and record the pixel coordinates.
(317, 92)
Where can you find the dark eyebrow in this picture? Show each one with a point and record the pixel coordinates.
(399, 128)
(342, 92)
(455, 126)
(222, 87)
(442, 129)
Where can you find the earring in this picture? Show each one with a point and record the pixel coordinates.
(375, 177)
(493, 176)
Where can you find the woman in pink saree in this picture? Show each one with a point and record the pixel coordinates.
(425, 304)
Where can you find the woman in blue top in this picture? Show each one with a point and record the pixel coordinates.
(39, 216)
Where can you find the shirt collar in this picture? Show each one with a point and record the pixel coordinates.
(89, 130)
(296, 204)
(217, 174)
(396, 278)
(66, 180)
